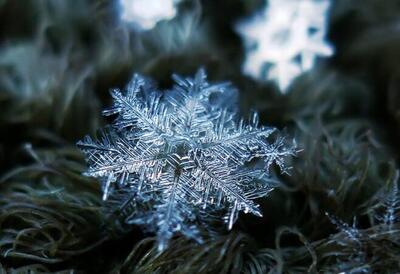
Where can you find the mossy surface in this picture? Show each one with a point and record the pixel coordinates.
(58, 60)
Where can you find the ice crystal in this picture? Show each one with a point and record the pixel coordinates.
(391, 204)
(352, 232)
(353, 244)
(284, 39)
(361, 249)
(182, 157)
(146, 13)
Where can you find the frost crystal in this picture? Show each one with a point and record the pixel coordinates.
(146, 13)
(391, 204)
(284, 40)
(182, 157)
(352, 232)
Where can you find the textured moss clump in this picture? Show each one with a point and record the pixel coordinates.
(59, 59)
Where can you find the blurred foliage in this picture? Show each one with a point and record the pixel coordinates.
(57, 62)
(33, 268)
(48, 212)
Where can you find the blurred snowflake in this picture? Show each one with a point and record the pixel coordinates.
(146, 13)
(183, 157)
(284, 39)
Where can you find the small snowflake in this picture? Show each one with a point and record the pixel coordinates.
(146, 13)
(284, 40)
(389, 200)
(182, 157)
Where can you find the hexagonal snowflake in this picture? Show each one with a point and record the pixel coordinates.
(284, 39)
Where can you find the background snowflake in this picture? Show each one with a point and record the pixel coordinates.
(284, 39)
(182, 156)
(146, 13)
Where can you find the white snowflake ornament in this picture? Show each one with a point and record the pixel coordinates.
(183, 158)
(146, 13)
(284, 40)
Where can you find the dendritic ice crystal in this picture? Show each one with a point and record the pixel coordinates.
(146, 13)
(182, 156)
(284, 40)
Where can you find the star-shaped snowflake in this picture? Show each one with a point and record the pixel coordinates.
(182, 157)
(284, 40)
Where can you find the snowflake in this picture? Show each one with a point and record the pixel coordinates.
(390, 203)
(284, 40)
(146, 13)
(182, 157)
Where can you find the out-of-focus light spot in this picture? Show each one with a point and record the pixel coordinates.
(146, 13)
(284, 40)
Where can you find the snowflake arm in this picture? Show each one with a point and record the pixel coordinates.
(172, 215)
(143, 111)
(113, 158)
(193, 102)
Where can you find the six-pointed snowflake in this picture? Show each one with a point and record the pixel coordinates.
(284, 40)
(183, 157)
